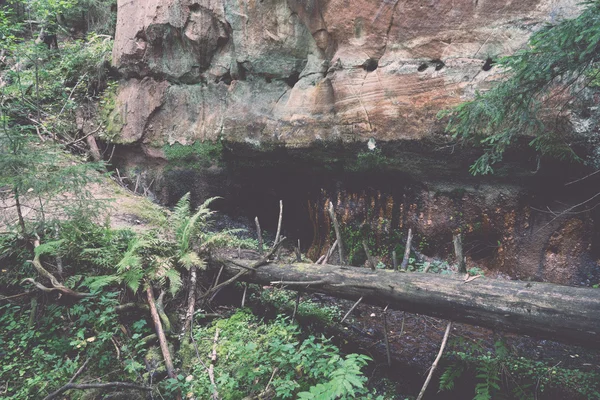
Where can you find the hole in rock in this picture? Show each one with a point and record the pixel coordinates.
(225, 78)
(422, 67)
(489, 63)
(241, 72)
(194, 7)
(439, 64)
(370, 65)
(292, 79)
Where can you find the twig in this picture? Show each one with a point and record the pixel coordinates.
(437, 360)
(87, 386)
(369, 259)
(580, 179)
(394, 260)
(56, 285)
(338, 235)
(279, 223)
(83, 386)
(137, 183)
(296, 283)
(160, 333)
(14, 296)
(321, 259)
(261, 250)
(458, 251)
(114, 342)
(330, 252)
(83, 137)
(427, 267)
(246, 269)
(244, 295)
(191, 301)
(211, 368)
(298, 252)
(385, 334)
(351, 309)
(406, 258)
(296, 304)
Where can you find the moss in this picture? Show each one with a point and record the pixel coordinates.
(199, 154)
(152, 214)
(110, 117)
(371, 160)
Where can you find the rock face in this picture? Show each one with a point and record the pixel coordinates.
(333, 86)
(298, 71)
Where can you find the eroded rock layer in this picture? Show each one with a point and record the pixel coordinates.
(294, 72)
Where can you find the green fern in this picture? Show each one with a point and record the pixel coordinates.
(347, 381)
(51, 248)
(95, 283)
(450, 375)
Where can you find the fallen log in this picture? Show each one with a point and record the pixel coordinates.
(544, 310)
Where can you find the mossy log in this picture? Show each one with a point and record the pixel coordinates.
(544, 310)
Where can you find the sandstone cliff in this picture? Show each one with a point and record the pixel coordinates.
(283, 99)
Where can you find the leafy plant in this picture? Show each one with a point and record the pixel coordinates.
(499, 374)
(533, 101)
(271, 358)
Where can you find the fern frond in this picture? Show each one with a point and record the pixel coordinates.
(191, 259)
(175, 282)
(133, 278)
(195, 224)
(51, 248)
(95, 283)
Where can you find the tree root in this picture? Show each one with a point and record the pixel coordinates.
(56, 285)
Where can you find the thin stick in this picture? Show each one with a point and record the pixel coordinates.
(330, 252)
(214, 288)
(406, 258)
(320, 282)
(437, 360)
(244, 295)
(191, 301)
(458, 251)
(338, 235)
(321, 259)
(162, 340)
(261, 250)
(259, 263)
(351, 309)
(211, 368)
(385, 333)
(279, 223)
(296, 305)
(298, 253)
(369, 259)
(137, 183)
(394, 260)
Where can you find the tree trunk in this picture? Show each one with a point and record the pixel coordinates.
(545, 310)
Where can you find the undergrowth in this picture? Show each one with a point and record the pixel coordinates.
(500, 374)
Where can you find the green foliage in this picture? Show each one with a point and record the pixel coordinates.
(500, 374)
(285, 300)
(40, 357)
(370, 160)
(200, 154)
(253, 355)
(155, 256)
(528, 103)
